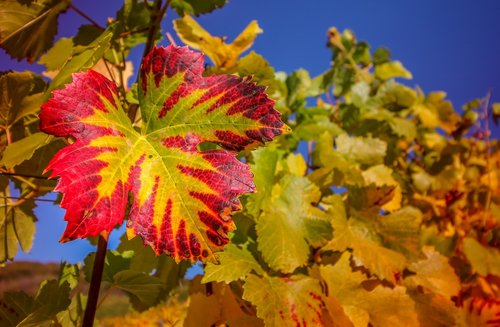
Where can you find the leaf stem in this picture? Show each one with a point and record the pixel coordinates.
(84, 15)
(95, 282)
(22, 175)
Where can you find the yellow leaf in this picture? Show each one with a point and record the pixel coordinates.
(222, 54)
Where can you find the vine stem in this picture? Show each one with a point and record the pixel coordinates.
(95, 282)
(84, 15)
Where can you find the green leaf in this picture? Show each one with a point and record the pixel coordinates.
(295, 164)
(360, 93)
(299, 86)
(170, 272)
(381, 306)
(51, 299)
(234, 263)
(69, 273)
(72, 316)
(312, 127)
(82, 60)
(194, 7)
(381, 55)
(144, 259)
(145, 287)
(364, 150)
(19, 96)
(55, 58)
(14, 307)
(484, 260)
(114, 263)
(343, 170)
(366, 246)
(22, 150)
(260, 70)
(435, 274)
(400, 230)
(132, 17)
(17, 224)
(390, 70)
(285, 301)
(28, 27)
(264, 168)
(395, 96)
(281, 229)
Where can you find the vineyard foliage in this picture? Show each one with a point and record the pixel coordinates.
(371, 203)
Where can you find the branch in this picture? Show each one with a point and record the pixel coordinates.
(95, 282)
(84, 15)
(23, 175)
(25, 199)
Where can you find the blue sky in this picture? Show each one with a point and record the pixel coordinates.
(449, 45)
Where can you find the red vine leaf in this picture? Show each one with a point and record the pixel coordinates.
(181, 197)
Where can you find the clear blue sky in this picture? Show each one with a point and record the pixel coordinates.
(450, 45)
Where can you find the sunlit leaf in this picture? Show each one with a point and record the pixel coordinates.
(234, 263)
(285, 301)
(435, 274)
(484, 260)
(182, 197)
(222, 54)
(392, 69)
(22, 150)
(27, 28)
(17, 223)
(369, 151)
(282, 227)
(381, 306)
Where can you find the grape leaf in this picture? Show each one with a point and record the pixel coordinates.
(27, 28)
(381, 306)
(144, 287)
(368, 151)
(265, 167)
(222, 307)
(81, 59)
(392, 69)
(282, 227)
(399, 231)
(182, 197)
(222, 54)
(17, 223)
(366, 246)
(435, 274)
(484, 260)
(294, 301)
(235, 263)
(19, 151)
(255, 65)
(52, 298)
(381, 175)
(435, 310)
(194, 7)
(19, 96)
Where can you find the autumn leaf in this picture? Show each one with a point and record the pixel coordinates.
(182, 197)
(223, 55)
